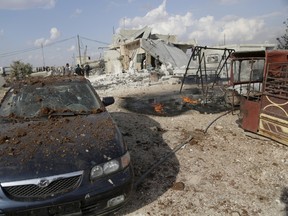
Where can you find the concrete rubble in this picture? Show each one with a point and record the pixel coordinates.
(143, 78)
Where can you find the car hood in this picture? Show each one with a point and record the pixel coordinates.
(57, 145)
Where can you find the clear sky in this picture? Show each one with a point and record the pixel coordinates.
(28, 25)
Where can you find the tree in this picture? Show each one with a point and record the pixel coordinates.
(283, 40)
(20, 70)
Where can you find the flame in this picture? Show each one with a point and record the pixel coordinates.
(189, 100)
(158, 107)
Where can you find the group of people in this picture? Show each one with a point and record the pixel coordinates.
(78, 70)
(83, 71)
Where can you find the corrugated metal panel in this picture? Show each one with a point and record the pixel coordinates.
(167, 52)
(131, 35)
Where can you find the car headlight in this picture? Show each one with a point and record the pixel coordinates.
(110, 166)
(96, 171)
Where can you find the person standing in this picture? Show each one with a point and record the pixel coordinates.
(131, 66)
(157, 62)
(67, 70)
(143, 63)
(79, 71)
(87, 70)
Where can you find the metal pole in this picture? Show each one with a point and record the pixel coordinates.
(43, 55)
(80, 60)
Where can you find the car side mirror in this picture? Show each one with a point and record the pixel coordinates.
(108, 101)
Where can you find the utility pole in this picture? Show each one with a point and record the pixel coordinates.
(43, 55)
(80, 60)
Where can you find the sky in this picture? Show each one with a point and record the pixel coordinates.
(50, 32)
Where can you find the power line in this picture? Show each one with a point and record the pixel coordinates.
(94, 40)
(61, 41)
(17, 52)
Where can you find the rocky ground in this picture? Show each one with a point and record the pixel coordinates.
(200, 161)
(191, 158)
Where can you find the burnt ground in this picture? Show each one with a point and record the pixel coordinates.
(219, 170)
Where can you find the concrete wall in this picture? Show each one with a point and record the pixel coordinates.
(112, 62)
(2, 81)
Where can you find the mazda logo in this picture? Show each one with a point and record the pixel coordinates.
(43, 183)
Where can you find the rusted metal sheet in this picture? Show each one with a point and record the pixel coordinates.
(250, 115)
(273, 56)
(276, 80)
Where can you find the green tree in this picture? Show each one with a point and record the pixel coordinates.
(20, 70)
(283, 40)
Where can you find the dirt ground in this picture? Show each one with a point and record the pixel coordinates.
(200, 161)
(194, 159)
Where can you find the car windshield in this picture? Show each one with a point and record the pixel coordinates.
(58, 98)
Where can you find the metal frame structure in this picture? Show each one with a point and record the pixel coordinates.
(201, 73)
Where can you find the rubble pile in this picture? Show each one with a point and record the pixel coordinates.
(142, 78)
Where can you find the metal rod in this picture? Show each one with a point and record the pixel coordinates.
(80, 61)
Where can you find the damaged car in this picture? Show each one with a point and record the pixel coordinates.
(61, 152)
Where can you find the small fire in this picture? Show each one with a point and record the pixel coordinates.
(158, 107)
(189, 100)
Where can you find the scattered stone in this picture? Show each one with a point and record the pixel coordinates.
(218, 128)
(178, 186)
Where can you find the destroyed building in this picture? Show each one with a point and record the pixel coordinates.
(135, 50)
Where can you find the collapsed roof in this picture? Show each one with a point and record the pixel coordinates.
(167, 52)
(154, 45)
(129, 35)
